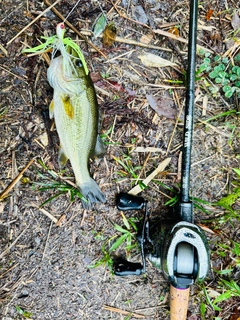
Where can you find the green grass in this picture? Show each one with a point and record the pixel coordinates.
(50, 181)
(126, 239)
(129, 170)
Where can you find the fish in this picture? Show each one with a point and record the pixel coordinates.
(76, 113)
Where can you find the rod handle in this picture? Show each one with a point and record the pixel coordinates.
(178, 303)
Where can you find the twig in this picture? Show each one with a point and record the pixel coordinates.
(14, 242)
(14, 266)
(131, 41)
(15, 181)
(147, 149)
(34, 20)
(49, 215)
(136, 315)
(215, 129)
(178, 38)
(3, 50)
(45, 248)
(73, 28)
(175, 126)
(137, 189)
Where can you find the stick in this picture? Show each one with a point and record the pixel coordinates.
(137, 189)
(14, 242)
(34, 20)
(46, 244)
(49, 215)
(178, 38)
(109, 308)
(73, 28)
(13, 183)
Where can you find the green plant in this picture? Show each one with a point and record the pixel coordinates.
(129, 169)
(106, 259)
(224, 72)
(50, 182)
(128, 236)
(23, 313)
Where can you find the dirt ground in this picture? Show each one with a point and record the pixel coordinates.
(44, 264)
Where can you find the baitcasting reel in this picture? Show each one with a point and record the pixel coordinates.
(179, 248)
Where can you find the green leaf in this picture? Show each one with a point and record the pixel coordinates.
(99, 25)
(226, 271)
(126, 223)
(120, 229)
(51, 198)
(225, 82)
(206, 61)
(227, 201)
(227, 88)
(222, 67)
(217, 58)
(237, 171)
(233, 77)
(129, 240)
(118, 242)
(203, 310)
(209, 301)
(222, 74)
(224, 296)
(235, 69)
(228, 94)
(214, 89)
(133, 225)
(225, 60)
(218, 80)
(237, 58)
(25, 314)
(213, 74)
(237, 84)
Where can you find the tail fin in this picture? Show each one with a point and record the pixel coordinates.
(91, 193)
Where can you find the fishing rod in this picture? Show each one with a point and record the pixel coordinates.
(176, 246)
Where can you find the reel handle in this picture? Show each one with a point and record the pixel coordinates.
(178, 303)
(126, 201)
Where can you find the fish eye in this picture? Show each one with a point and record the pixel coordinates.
(79, 63)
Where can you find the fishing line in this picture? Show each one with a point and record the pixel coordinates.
(73, 8)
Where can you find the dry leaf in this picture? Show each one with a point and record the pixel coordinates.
(137, 189)
(109, 34)
(174, 30)
(163, 105)
(151, 60)
(44, 139)
(235, 22)
(236, 314)
(146, 38)
(209, 14)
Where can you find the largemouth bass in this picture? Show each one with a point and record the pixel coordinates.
(75, 110)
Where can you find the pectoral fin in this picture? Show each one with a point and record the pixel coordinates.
(62, 158)
(100, 148)
(51, 109)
